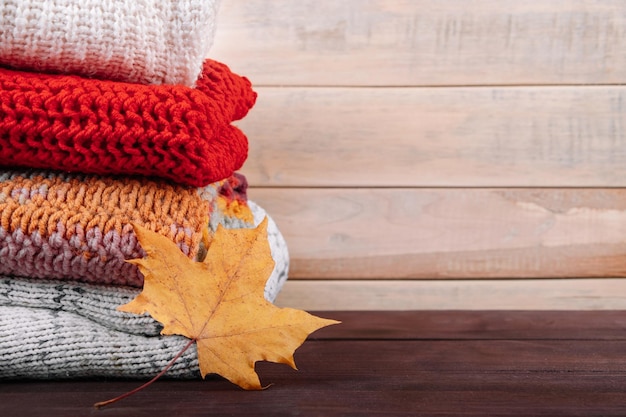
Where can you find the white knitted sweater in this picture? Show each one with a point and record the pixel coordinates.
(138, 41)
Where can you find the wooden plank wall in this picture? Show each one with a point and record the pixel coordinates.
(427, 154)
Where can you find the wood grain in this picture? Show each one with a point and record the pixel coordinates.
(451, 233)
(473, 325)
(372, 378)
(395, 137)
(423, 42)
(481, 372)
(411, 140)
(389, 295)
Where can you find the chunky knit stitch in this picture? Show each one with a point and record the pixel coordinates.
(104, 127)
(99, 302)
(78, 227)
(146, 42)
(60, 329)
(43, 343)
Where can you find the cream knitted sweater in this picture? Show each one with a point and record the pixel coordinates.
(138, 41)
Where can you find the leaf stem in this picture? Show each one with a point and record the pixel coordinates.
(159, 375)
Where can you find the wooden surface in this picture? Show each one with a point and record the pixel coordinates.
(502, 363)
(468, 294)
(451, 233)
(438, 137)
(427, 140)
(424, 42)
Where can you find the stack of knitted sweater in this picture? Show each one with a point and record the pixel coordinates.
(110, 114)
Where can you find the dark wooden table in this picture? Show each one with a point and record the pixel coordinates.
(392, 364)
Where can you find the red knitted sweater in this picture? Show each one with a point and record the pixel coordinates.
(104, 127)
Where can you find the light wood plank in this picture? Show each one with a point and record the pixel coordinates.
(546, 294)
(423, 42)
(450, 233)
(560, 136)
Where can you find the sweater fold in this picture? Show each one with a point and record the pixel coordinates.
(75, 124)
(143, 42)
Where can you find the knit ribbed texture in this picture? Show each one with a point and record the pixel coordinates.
(103, 127)
(146, 42)
(98, 303)
(110, 115)
(57, 329)
(78, 227)
(42, 343)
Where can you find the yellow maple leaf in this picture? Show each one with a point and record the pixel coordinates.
(219, 302)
